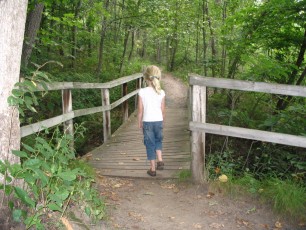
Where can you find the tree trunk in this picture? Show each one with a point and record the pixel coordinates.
(204, 39)
(12, 27)
(126, 38)
(74, 34)
(32, 27)
(144, 44)
(223, 57)
(213, 46)
(174, 45)
(102, 38)
(133, 45)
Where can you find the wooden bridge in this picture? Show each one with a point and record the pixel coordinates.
(123, 153)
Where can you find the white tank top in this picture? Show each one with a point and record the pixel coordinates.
(151, 104)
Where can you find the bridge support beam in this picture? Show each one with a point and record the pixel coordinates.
(106, 115)
(67, 107)
(198, 101)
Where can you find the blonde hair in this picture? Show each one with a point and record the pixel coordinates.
(152, 74)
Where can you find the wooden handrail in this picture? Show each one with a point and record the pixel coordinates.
(83, 85)
(69, 113)
(199, 127)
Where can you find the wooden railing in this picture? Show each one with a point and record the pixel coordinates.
(198, 125)
(105, 108)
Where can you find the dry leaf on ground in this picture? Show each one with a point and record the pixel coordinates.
(216, 225)
(197, 226)
(136, 216)
(278, 224)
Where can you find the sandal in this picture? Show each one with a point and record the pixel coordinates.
(160, 165)
(151, 173)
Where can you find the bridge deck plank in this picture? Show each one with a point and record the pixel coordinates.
(124, 154)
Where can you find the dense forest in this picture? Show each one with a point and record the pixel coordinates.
(102, 40)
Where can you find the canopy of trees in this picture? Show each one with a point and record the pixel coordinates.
(252, 39)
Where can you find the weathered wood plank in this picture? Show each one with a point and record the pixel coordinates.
(292, 90)
(37, 127)
(164, 174)
(265, 136)
(83, 85)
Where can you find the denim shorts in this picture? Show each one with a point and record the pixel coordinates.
(153, 137)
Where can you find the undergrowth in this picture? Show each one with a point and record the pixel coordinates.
(53, 179)
(49, 177)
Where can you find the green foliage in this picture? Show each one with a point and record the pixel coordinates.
(248, 183)
(53, 178)
(222, 163)
(291, 120)
(287, 197)
(23, 95)
(184, 175)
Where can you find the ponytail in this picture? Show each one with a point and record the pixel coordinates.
(156, 85)
(153, 74)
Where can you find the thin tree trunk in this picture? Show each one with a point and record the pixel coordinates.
(132, 45)
(12, 28)
(144, 45)
(102, 38)
(126, 39)
(167, 51)
(204, 39)
(213, 46)
(223, 58)
(74, 34)
(198, 26)
(174, 40)
(32, 27)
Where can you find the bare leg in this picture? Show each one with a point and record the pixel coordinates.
(152, 165)
(159, 155)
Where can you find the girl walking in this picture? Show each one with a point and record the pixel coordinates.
(151, 116)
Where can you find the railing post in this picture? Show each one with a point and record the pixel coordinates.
(106, 115)
(198, 101)
(125, 105)
(67, 107)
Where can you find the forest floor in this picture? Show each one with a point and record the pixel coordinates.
(168, 204)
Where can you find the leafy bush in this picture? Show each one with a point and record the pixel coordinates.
(52, 177)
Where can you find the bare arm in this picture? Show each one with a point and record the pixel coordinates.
(163, 109)
(140, 112)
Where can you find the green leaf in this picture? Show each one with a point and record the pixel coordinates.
(16, 170)
(30, 85)
(87, 211)
(29, 148)
(54, 207)
(11, 205)
(28, 177)
(32, 163)
(8, 190)
(17, 215)
(21, 112)
(17, 92)
(62, 194)
(69, 175)
(41, 175)
(20, 153)
(12, 101)
(3, 167)
(24, 197)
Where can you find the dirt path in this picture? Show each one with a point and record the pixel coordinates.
(155, 204)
